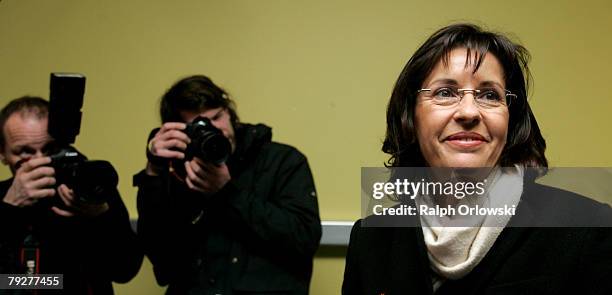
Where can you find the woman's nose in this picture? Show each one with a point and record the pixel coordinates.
(467, 111)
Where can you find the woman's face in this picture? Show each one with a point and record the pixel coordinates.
(465, 135)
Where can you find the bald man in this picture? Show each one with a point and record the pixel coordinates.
(44, 227)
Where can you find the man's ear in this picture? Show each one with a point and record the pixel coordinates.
(2, 157)
(2, 149)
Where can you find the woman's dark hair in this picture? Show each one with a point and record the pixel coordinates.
(195, 93)
(525, 144)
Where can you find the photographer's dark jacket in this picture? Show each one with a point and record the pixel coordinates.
(523, 260)
(256, 235)
(90, 252)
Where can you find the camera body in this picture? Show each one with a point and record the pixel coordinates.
(91, 181)
(207, 142)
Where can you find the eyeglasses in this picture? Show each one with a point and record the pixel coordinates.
(487, 97)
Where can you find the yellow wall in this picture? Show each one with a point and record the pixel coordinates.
(319, 71)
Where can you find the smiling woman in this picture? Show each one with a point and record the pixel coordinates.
(458, 131)
(461, 102)
(456, 61)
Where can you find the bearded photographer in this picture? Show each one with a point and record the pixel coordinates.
(242, 225)
(91, 244)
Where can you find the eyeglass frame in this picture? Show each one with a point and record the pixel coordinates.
(475, 92)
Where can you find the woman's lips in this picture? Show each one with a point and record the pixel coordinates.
(465, 140)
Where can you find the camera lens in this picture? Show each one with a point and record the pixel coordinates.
(215, 148)
(207, 142)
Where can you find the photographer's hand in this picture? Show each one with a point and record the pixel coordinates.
(32, 182)
(168, 142)
(206, 177)
(76, 207)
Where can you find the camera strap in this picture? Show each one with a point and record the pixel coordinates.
(30, 254)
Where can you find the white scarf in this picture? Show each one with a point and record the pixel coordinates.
(454, 251)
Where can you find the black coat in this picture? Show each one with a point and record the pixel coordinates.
(90, 252)
(257, 235)
(523, 260)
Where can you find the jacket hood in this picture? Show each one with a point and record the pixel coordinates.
(249, 139)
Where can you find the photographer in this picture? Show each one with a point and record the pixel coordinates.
(91, 244)
(249, 224)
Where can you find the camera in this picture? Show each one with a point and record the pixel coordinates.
(91, 181)
(207, 142)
